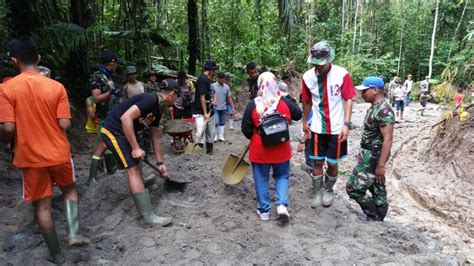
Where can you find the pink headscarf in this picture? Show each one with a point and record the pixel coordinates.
(268, 94)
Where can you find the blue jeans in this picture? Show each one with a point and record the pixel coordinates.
(407, 98)
(261, 177)
(220, 117)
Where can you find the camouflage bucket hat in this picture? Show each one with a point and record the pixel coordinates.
(131, 70)
(321, 54)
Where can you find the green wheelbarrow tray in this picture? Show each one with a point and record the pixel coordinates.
(235, 168)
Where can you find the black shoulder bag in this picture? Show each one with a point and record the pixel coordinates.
(274, 129)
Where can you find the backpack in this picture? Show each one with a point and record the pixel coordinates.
(274, 129)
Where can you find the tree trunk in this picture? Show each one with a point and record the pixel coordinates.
(193, 39)
(401, 38)
(204, 32)
(361, 23)
(355, 26)
(342, 18)
(258, 17)
(457, 28)
(433, 36)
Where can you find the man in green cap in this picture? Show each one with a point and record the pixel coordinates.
(369, 172)
(152, 85)
(133, 86)
(327, 90)
(105, 95)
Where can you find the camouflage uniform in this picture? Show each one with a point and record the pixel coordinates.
(151, 87)
(102, 79)
(363, 175)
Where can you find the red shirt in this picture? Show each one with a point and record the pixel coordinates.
(273, 154)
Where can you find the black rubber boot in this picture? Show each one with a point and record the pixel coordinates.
(382, 212)
(51, 239)
(92, 180)
(101, 168)
(143, 204)
(369, 208)
(110, 163)
(71, 213)
(209, 148)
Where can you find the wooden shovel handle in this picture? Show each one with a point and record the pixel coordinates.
(241, 157)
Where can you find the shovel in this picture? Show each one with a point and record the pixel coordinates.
(167, 178)
(235, 168)
(194, 147)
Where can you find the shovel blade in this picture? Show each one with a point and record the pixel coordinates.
(192, 148)
(231, 176)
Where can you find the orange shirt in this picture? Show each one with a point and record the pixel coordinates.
(35, 103)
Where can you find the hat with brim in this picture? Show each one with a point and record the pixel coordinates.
(321, 54)
(371, 83)
(131, 70)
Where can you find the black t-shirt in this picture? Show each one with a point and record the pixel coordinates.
(150, 114)
(203, 86)
(253, 88)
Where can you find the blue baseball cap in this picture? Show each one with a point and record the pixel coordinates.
(371, 82)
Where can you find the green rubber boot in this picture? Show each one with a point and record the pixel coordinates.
(143, 204)
(110, 163)
(51, 239)
(328, 196)
(317, 191)
(71, 213)
(92, 180)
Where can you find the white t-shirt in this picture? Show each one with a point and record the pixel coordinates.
(134, 88)
(408, 84)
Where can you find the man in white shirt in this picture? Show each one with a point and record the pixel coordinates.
(407, 86)
(133, 86)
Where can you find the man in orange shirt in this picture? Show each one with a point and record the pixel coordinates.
(34, 111)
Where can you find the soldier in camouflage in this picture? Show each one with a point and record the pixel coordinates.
(105, 95)
(369, 173)
(152, 84)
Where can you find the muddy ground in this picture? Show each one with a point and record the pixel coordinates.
(430, 219)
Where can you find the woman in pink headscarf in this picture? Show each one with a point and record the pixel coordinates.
(265, 158)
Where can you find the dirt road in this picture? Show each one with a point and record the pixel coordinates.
(215, 224)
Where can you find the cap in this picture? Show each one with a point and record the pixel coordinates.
(321, 54)
(371, 82)
(228, 75)
(221, 75)
(170, 84)
(210, 64)
(131, 70)
(108, 57)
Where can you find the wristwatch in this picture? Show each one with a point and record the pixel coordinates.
(348, 124)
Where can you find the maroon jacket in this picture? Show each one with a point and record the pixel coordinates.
(257, 152)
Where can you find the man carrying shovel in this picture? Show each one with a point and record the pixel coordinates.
(119, 134)
(203, 107)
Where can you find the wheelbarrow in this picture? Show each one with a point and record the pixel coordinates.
(235, 168)
(181, 130)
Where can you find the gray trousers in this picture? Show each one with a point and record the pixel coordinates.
(205, 132)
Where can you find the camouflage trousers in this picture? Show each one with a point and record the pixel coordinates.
(363, 180)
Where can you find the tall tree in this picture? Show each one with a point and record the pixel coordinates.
(457, 28)
(193, 36)
(355, 26)
(433, 38)
(400, 48)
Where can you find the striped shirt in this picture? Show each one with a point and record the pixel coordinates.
(327, 94)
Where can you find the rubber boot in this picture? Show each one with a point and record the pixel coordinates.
(209, 148)
(71, 213)
(216, 136)
(110, 163)
(317, 191)
(101, 168)
(221, 133)
(231, 124)
(328, 196)
(51, 239)
(382, 212)
(369, 208)
(143, 204)
(92, 180)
